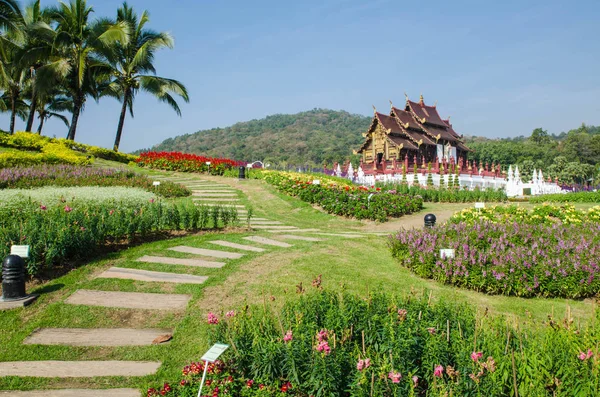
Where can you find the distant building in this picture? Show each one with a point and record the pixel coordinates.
(415, 134)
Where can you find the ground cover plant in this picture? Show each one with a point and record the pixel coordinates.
(45, 150)
(346, 200)
(575, 197)
(450, 194)
(61, 224)
(541, 214)
(183, 162)
(548, 251)
(69, 175)
(328, 343)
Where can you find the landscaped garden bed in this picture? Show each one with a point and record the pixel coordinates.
(176, 161)
(70, 175)
(548, 251)
(449, 194)
(338, 344)
(577, 197)
(61, 224)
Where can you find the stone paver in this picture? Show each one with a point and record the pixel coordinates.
(165, 260)
(78, 369)
(221, 205)
(216, 191)
(73, 393)
(267, 227)
(267, 241)
(341, 235)
(301, 238)
(237, 246)
(216, 199)
(146, 275)
(295, 231)
(207, 252)
(129, 300)
(202, 194)
(94, 336)
(259, 222)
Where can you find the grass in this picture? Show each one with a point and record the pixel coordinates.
(358, 265)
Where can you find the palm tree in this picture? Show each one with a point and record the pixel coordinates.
(133, 68)
(48, 107)
(14, 79)
(74, 62)
(10, 15)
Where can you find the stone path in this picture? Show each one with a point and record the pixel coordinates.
(129, 300)
(165, 260)
(78, 369)
(266, 241)
(145, 275)
(220, 199)
(237, 246)
(73, 393)
(95, 336)
(295, 231)
(301, 238)
(207, 252)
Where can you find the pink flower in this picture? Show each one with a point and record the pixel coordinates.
(212, 319)
(438, 371)
(288, 337)
(68, 209)
(402, 314)
(82, 229)
(151, 201)
(322, 335)
(111, 212)
(43, 207)
(415, 379)
(367, 363)
(249, 383)
(395, 376)
(585, 356)
(475, 356)
(230, 314)
(431, 330)
(324, 347)
(360, 365)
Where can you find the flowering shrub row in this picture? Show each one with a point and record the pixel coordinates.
(176, 161)
(69, 175)
(577, 197)
(346, 200)
(330, 344)
(542, 214)
(434, 194)
(519, 259)
(59, 228)
(53, 151)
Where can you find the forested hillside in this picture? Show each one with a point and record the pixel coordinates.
(307, 138)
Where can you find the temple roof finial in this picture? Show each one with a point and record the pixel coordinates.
(374, 109)
(421, 100)
(435, 104)
(406, 96)
(391, 104)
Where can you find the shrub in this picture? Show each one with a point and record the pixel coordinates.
(509, 258)
(62, 225)
(67, 175)
(338, 344)
(450, 194)
(577, 197)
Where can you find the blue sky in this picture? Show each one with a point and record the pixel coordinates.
(499, 68)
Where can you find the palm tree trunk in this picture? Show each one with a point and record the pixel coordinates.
(121, 121)
(39, 130)
(13, 113)
(31, 111)
(77, 104)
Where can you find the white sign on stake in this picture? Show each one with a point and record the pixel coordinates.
(479, 205)
(447, 253)
(316, 182)
(210, 357)
(156, 183)
(20, 250)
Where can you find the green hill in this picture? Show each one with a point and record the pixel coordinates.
(312, 137)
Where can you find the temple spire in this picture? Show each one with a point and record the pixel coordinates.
(421, 100)
(374, 109)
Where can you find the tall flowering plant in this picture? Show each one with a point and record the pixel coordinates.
(185, 162)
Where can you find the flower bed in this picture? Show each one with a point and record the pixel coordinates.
(578, 197)
(542, 214)
(176, 161)
(345, 199)
(510, 258)
(68, 175)
(433, 194)
(330, 344)
(65, 224)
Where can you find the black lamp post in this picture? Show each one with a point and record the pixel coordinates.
(13, 278)
(430, 220)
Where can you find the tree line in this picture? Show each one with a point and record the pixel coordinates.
(54, 59)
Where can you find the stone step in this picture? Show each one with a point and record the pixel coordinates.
(222, 191)
(301, 238)
(73, 393)
(237, 246)
(146, 275)
(95, 336)
(129, 300)
(295, 231)
(204, 195)
(259, 219)
(217, 200)
(267, 227)
(78, 369)
(165, 260)
(341, 235)
(207, 252)
(221, 205)
(267, 241)
(259, 222)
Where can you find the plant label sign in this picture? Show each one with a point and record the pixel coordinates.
(20, 250)
(447, 253)
(316, 182)
(156, 183)
(214, 352)
(480, 206)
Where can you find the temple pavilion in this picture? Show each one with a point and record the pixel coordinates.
(414, 134)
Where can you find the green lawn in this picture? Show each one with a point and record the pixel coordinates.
(358, 265)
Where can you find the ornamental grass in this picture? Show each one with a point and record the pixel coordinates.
(327, 343)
